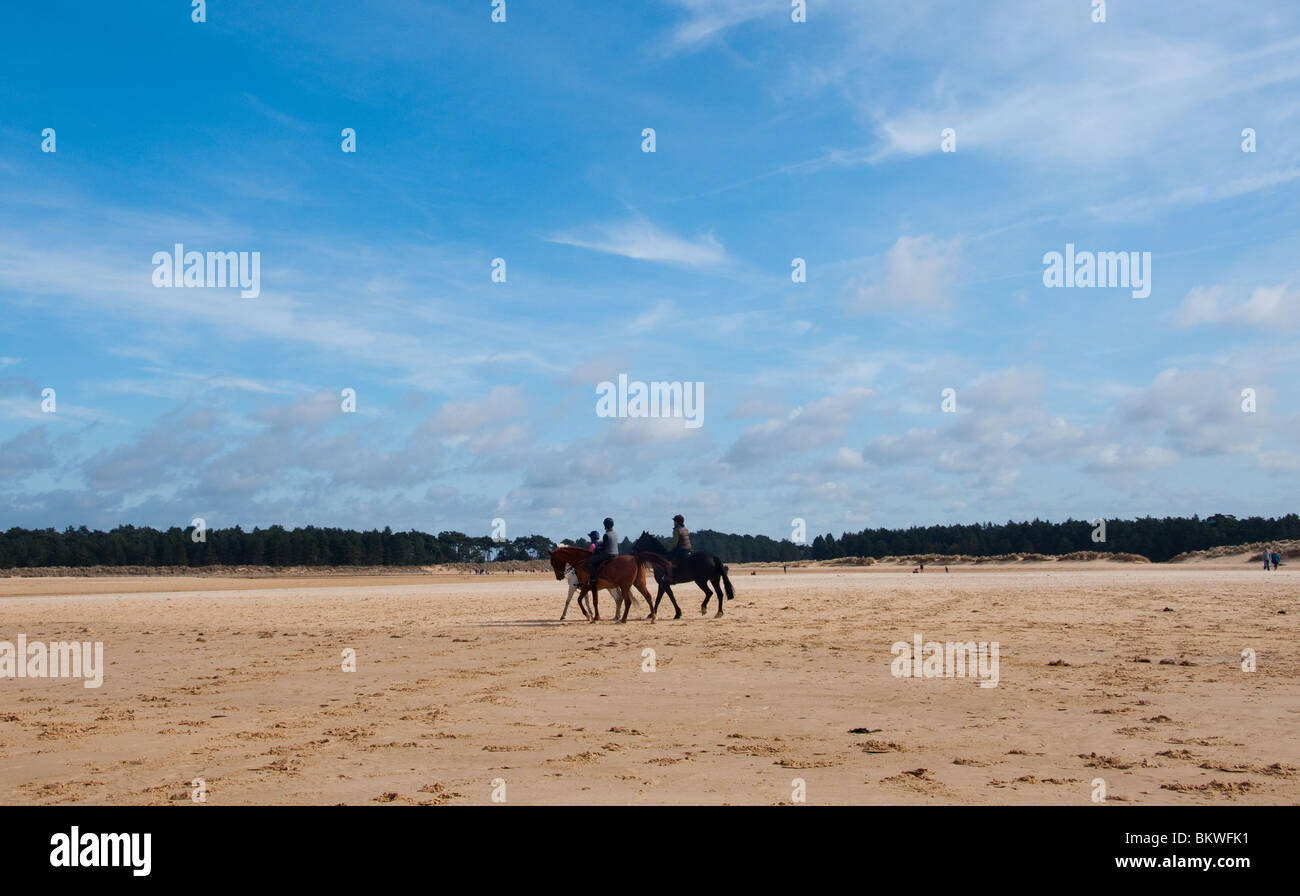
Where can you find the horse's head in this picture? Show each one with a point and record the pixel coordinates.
(647, 542)
(558, 563)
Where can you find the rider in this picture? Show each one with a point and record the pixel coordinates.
(594, 537)
(608, 548)
(680, 548)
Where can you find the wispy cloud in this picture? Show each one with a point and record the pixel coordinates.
(640, 239)
(707, 19)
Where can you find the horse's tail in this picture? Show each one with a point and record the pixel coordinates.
(731, 592)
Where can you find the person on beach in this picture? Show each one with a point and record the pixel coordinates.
(608, 548)
(680, 548)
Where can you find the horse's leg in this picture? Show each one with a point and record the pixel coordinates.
(665, 588)
(704, 585)
(620, 610)
(572, 588)
(595, 603)
(640, 584)
(672, 597)
(638, 579)
(717, 586)
(614, 592)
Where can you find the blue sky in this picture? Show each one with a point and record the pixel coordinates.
(522, 140)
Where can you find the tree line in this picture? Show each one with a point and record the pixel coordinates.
(1158, 539)
(272, 546)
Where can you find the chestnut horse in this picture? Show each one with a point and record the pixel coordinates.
(621, 572)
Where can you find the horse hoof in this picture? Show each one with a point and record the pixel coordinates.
(679, 615)
(717, 614)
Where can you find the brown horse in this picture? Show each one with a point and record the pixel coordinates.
(621, 572)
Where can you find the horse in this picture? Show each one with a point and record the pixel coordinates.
(700, 567)
(620, 572)
(572, 578)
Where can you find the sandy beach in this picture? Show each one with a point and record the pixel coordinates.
(1128, 673)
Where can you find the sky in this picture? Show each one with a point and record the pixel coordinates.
(524, 141)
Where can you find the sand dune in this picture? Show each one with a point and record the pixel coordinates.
(1130, 674)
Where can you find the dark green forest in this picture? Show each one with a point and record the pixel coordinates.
(1156, 539)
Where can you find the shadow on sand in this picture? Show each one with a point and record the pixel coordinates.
(531, 623)
(544, 623)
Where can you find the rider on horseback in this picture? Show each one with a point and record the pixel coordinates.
(680, 548)
(608, 548)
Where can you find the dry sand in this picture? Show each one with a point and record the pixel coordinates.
(463, 680)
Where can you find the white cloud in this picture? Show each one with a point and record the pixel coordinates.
(1130, 458)
(806, 428)
(1275, 307)
(918, 275)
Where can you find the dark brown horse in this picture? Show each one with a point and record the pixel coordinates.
(622, 572)
(700, 567)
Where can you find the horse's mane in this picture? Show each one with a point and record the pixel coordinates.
(647, 537)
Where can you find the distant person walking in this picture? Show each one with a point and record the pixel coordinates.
(1276, 560)
(1266, 560)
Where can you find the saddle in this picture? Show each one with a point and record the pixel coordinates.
(599, 563)
(675, 560)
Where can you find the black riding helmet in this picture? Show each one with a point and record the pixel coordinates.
(679, 519)
(609, 523)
